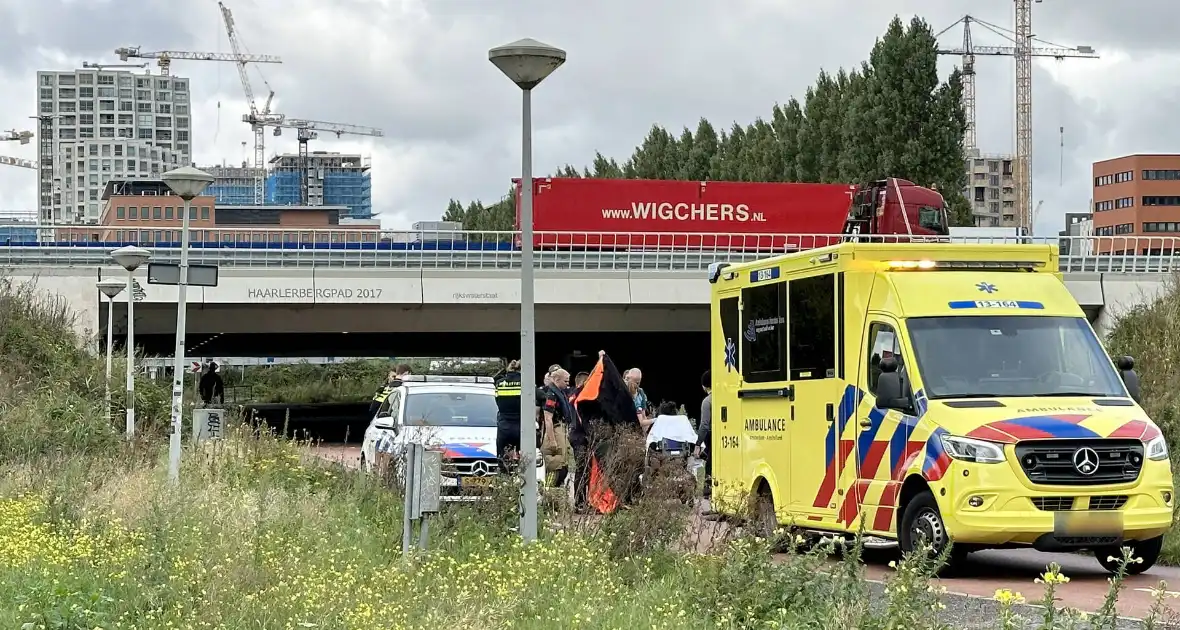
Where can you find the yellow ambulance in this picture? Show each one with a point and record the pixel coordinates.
(933, 392)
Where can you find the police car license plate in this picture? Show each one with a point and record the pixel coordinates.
(475, 482)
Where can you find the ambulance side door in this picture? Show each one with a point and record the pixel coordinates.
(766, 397)
(727, 380)
(817, 372)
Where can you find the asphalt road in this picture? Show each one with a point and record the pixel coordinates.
(985, 572)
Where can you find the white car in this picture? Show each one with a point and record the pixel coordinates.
(453, 414)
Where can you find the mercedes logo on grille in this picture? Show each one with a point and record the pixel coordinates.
(480, 469)
(1085, 460)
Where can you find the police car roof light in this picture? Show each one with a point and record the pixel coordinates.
(446, 378)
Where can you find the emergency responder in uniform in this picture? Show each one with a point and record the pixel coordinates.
(557, 414)
(392, 382)
(508, 411)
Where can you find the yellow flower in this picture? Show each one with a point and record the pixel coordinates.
(1007, 597)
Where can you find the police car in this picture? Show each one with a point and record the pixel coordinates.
(453, 414)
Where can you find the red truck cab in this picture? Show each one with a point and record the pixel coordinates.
(897, 206)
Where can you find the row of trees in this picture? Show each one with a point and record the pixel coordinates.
(891, 117)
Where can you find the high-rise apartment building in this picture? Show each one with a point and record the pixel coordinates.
(991, 190)
(334, 179)
(97, 125)
(233, 185)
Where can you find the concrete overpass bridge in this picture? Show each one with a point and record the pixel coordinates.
(460, 299)
(278, 300)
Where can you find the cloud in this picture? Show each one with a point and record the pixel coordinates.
(418, 69)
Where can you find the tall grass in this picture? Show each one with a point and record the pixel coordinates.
(259, 533)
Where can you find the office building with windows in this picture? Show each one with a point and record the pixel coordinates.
(97, 125)
(991, 190)
(1137, 196)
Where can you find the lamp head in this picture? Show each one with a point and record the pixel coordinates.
(131, 257)
(527, 61)
(187, 182)
(111, 287)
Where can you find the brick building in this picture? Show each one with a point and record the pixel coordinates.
(1137, 196)
(148, 213)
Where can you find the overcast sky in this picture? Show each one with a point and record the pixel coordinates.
(418, 69)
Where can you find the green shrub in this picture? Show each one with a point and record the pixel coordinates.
(51, 384)
(351, 381)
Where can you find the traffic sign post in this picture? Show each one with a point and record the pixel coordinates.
(195, 367)
(169, 273)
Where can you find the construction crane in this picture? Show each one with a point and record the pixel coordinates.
(258, 118)
(307, 130)
(13, 135)
(1023, 51)
(103, 66)
(164, 57)
(22, 137)
(17, 162)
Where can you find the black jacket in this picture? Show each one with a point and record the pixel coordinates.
(211, 387)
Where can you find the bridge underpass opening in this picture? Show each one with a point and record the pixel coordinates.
(670, 345)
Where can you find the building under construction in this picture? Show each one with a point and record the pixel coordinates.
(334, 179)
(233, 185)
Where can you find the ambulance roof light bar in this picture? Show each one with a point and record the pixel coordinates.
(998, 265)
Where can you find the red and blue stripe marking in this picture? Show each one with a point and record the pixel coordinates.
(1137, 429)
(1059, 426)
(470, 450)
(870, 453)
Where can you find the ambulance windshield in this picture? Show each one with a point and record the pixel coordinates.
(1001, 356)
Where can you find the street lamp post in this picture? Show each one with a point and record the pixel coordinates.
(110, 288)
(187, 182)
(527, 62)
(130, 258)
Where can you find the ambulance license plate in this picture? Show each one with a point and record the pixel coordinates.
(1088, 524)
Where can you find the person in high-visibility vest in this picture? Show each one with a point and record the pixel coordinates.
(392, 382)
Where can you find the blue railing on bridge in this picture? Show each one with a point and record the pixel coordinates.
(269, 247)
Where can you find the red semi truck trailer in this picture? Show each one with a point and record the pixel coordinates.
(571, 212)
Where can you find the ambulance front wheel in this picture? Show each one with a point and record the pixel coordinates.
(922, 526)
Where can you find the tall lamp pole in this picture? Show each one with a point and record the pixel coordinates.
(187, 182)
(110, 288)
(130, 258)
(526, 63)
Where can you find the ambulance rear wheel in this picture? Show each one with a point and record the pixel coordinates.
(922, 526)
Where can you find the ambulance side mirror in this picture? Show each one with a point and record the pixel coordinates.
(1126, 366)
(889, 392)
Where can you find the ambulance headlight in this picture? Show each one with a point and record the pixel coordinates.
(1157, 448)
(972, 450)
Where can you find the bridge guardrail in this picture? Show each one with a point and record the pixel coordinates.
(257, 248)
